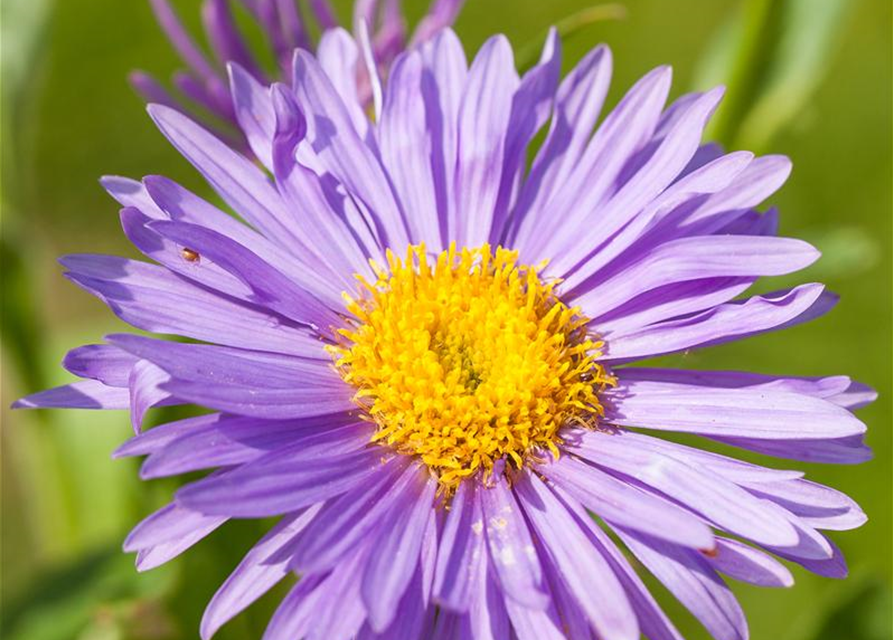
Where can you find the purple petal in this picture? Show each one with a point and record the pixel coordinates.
(530, 109)
(256, 574)
(659, 171)
(487, 617)
(742, 562)
(441, 14)
(708, 179)
(511, 551)
(697, 258)
(350, 519)
(103, 362)
(145, 391)
(342, 152)
(169, 523)
(158, 437)
(333, 224)
(397, 545)
(181, 205)
(272, 484)
(241, 184)
(731, 469)
(760, 413)
(131, 193)
(406, 148)
(460, 550)
(271, 288)
(262, 402)
(181, 40)
(167, 533)
(585, 571)
(816, 505)
(171, 255)
(154, 299)
(233, 440)
(722, 502)
(228, 366)
(482, 131)
(319, 608)
(623, 132)
(724, 323)
(846, 450)
(339, 56)
(856, 396)
(578, 102)
(443, 83)
(654, 623)
(626, 505)
(86, 394)
(694, 583)
(254, 112)
(226, 41)
(832, 567)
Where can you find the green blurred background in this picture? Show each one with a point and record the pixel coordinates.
(808, 78)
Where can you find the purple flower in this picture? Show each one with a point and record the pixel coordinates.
(436, 439)
(285, 24)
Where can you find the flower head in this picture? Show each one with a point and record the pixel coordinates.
(421, 354)
(285, 25)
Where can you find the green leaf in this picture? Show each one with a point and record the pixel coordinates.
(772, 55)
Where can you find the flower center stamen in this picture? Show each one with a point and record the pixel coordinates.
(468, 361)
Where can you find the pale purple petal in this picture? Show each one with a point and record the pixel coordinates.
(158, 437)
(397, 545)
(530, 109)
(460, 551)
(154, 299)
(237, 440)
(106, 363)
(626, 505)
(846, 450)
(339, 57)
(340, 149)
(145, 391)
(86, 394)
(272, 484)
(695, 259)
(168, 524)
(578, 102)
(742, 562)
(406, 148)
(724, 323)
(816, 505)
(271, 288)
(622, 133)
(254, 112)
(760, 413)
(720, 501)
(511, 551)
(585, 571)
(256, 574)
(690, 578)
(345, 522)
(483, 121)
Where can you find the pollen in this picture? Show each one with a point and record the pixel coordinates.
(468, 361)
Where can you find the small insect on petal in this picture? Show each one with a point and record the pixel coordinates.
(189, 255)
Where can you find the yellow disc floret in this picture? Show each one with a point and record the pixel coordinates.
(469, 360)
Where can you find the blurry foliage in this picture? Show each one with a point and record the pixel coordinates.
(809, 78)
(772, 55)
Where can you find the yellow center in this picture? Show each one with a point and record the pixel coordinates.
(468, 361)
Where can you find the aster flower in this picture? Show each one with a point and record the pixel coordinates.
(285, 25)
(420, 354)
